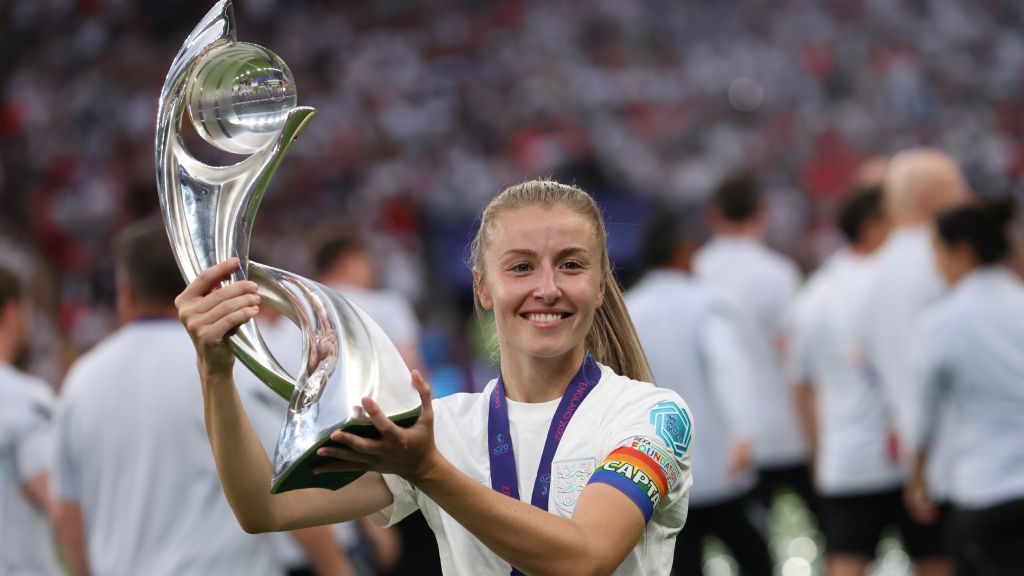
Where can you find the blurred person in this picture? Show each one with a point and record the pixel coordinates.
(27, 546)
(135, 485)
(760, 284)
(970, 358)
(343, 261)
(693, 347)
(919, 183)
(847, 420)
(605, 456)
(362, 548)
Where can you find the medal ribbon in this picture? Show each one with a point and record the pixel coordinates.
(504, 478)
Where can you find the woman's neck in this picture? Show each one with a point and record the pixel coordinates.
(531, 379)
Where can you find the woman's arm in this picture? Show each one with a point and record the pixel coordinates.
(605, 526)
(209, 312)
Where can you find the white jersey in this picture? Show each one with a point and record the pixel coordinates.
(760, 284)
(693, 347)
(906, 283)
(132, 451)
(619, 414)
(27, 546)
(971, 358)
(855, 454)
(389, 309)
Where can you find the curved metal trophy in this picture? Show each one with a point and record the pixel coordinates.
(241, 99)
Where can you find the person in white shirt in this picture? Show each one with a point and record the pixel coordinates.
(571, 419)
(760, 284)
(694, 349)
(970, 357)
(919, 183)
(27, 546)
(343, 261)
(848, 423)
(134, 481)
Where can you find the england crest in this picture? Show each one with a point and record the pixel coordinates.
(570, 478)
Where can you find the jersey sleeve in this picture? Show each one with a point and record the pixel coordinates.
(66, 480)
(649, 460)
(405, 502)
(34, 437)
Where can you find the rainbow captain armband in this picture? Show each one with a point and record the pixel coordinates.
(636, 475)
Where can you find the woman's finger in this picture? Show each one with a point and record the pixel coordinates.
(211, 333)
(426, 396)
(222, 309)
(219, 296)
(388, 429)
(208, 279)
(342, 453)
(356, 443)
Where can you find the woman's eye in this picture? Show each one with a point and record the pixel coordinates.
(572, 265)
(521, 267)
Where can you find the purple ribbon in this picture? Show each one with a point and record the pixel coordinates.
(499, 436)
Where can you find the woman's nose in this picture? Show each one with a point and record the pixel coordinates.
(547, 289)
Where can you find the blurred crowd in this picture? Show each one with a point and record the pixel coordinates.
(426, 109)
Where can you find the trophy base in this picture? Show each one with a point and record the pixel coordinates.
(300, 474)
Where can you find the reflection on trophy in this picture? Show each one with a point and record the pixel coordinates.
(241, 99)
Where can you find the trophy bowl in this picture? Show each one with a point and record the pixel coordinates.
(241, 98)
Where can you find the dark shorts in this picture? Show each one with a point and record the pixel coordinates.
(853, 525)
(990, 541)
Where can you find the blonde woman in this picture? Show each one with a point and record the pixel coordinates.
(569, 462)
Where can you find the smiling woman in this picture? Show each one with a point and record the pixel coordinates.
(570, 420)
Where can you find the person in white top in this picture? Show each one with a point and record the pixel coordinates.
(27, 546)
(343, 261)
(970, 357)
(134, 481)
(760, 284)
(570, 420)
(693, 347)
(919, 183)
(849, 424)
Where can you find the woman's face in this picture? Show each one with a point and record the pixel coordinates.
(542, 277)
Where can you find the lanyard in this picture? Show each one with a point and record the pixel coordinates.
(504, 478)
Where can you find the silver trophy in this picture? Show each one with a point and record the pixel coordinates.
(241, 98)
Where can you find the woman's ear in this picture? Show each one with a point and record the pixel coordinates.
(480, 287)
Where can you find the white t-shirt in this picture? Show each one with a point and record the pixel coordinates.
(760, 285)
(906, 283)
(132, 451)
(693, 347)
(27, 546)
(618, 412)
(854, 424)
(970, 357)
(390, 310)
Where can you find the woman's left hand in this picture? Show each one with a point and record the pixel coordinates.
(407, 452)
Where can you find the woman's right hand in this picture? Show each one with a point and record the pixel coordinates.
(210, 311)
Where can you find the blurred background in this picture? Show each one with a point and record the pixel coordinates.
(428, 108)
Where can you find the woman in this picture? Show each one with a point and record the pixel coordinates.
(971, 360)
(605, 456)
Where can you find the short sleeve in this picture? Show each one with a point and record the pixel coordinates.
(27, 437)
(66, 479)
(404, 504)
(649, 460)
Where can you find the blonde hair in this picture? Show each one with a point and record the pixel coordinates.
(612, 339)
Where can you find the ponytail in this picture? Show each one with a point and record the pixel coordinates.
(983, 225)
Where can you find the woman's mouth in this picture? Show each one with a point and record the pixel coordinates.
(546, 317)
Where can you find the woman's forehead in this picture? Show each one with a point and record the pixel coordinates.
(537, 227)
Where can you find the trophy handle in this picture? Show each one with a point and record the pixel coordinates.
(209, 213)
